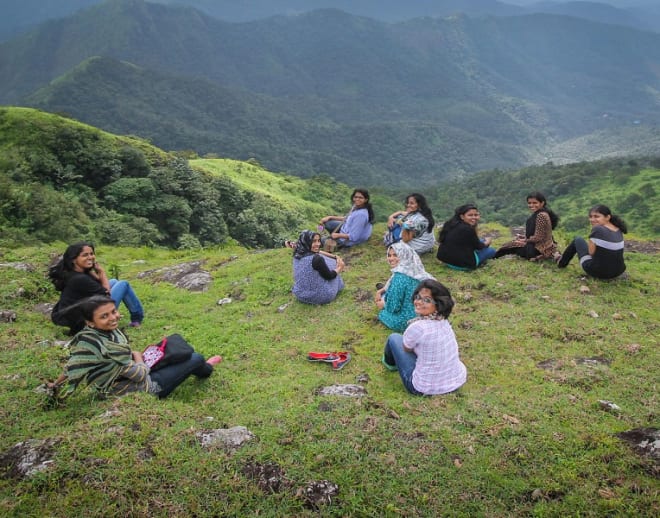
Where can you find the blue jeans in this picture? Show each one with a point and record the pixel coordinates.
(172, 376)
(405, 361)
(333, 225)
(484, 254)
(121, 291)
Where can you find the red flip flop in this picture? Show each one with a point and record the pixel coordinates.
(323, 357)
(343, 359)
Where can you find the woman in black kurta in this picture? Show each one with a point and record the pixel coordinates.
(460, 246)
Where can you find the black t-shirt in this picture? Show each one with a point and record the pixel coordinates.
(459, 245)
(78, 286)
(607, 260)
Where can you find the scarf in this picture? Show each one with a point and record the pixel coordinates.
(409, 262)
(304, 244)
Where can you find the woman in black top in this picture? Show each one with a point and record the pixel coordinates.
(460, 246)
(78, 275)
(602, 255)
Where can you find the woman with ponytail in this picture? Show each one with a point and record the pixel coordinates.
(601, 256)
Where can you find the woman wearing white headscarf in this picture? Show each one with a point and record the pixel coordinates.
(395, 299)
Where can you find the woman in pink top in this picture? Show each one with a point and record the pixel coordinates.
(426, 355)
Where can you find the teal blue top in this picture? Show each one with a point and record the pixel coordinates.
(399, 306)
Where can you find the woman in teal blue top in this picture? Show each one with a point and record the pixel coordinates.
(395, 299)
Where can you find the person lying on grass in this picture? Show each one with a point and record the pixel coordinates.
(102, 358)
(426, 355)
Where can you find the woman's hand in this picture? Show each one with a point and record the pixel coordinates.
(488, 241)
(325, 220)
(340, 265)
(137, 356)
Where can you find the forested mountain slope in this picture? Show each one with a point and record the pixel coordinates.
(424, 99)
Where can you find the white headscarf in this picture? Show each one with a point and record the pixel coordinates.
(409, 262)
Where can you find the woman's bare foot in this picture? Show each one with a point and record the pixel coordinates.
(214, 360)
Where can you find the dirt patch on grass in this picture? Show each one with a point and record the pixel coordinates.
(318, 493)
(27, 458)
(644, 247)
(269, 477)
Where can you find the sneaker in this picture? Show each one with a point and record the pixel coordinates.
(387, 365)
(339, 363)
(135, 323)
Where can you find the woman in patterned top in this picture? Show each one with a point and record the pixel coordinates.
(414, 225)
(101, 357)
(426, 356)
(538, 242)
(395, 299)
(316, 274)
(602, 255)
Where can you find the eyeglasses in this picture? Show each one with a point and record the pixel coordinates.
(425, 300)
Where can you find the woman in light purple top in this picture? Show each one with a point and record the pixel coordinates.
(356, 226)
(426, 355)
(316, 274)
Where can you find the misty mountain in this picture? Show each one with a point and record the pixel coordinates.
(180, 113)
(21, 15)
(327, 91)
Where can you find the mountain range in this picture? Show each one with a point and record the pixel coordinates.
(354, 97)
(20, 15)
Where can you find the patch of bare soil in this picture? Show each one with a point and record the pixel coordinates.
(318, 493)
(644, 247)
(269, 477)
(646, 443)
(26, 458)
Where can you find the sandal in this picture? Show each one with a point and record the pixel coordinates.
(339, 363)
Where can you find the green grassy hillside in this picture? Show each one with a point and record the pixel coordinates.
(630, 187)
(526, 436)
(60, 179)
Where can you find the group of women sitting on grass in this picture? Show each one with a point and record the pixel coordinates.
(412, 302)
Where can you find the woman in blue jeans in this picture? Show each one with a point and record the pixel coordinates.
(78, 275)
(102, 358)
(426, 355)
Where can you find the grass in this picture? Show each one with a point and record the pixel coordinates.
(516, 440)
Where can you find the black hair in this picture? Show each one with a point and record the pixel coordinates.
(60, 271)
(617, 221)
(86, 307)
(368, 206)
(423, 208)
(455, 219)
(538, 195)
(441, 296)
